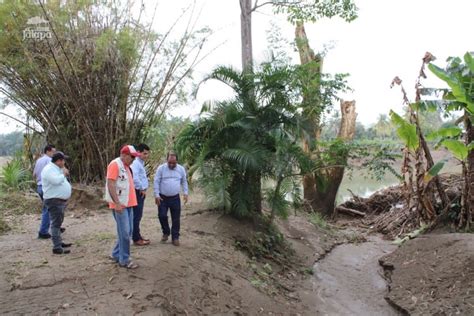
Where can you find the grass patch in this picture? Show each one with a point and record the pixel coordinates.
(99, 237)
(266, 244)
(307, 271)
(13, 204)
(355, 238)
(3, 226)
(19, 203)
(319, 221)
(103, 236)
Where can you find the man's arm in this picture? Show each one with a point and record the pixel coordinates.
(36, 172)
(112, 176)
(112, 187)
(136, 175)
(156, 185)
(184, 183)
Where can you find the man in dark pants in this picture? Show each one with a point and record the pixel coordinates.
(48, 152)
(170, 177)
(140, 180)
(56, 192)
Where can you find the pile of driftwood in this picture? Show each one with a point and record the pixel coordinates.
(388, 212)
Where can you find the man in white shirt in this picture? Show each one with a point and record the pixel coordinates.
(48, 152)
(56, 192)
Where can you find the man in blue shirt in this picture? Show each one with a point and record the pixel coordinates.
(140, 180)
(48, 152)
(56, 192)
(170, 177)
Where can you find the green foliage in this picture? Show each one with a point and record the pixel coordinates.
(100, 78)
(383, 127)
(459, 78)
(239, 142)
(435, 170)
(278, 45)
(3, 225)
(445, 132)
(457, 148)
(312, 11)
(160, 137)
(406, 131)
(377, 158)
(266, 243)
(319, 90)
(10, 143)
(318, 220)
(14, 176)
(400, 241)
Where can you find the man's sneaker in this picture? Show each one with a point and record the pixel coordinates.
(66, 245)
(44, 236)
(61, 251)
(165, 238)
(176, 242)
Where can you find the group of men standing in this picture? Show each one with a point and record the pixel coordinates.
(125, 191)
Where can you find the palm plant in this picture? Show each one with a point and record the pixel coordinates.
(14, 176)
(238, 142)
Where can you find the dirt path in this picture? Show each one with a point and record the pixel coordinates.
(206, 275)
(348, 281)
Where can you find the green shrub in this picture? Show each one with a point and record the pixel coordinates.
(14, 176)
(318, 220)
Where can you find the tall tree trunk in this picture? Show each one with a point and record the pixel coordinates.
(469, 188)
(308, 56)
(315, 61)
(327, 181)
(246, 34)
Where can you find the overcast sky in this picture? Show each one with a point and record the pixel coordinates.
(388, 39)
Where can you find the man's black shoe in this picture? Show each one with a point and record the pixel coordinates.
(44, 236)
(66, 245)
(61, 251)
(62, 229)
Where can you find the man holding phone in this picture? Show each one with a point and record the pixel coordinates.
(120, 193)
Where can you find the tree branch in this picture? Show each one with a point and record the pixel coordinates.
(23, 123)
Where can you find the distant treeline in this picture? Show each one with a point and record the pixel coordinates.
(11, 143)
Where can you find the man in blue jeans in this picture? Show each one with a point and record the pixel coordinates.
(48, 152)
(120, 193)
(140, 180)
(56, 192)
(170, 177)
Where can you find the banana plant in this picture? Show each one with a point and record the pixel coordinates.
(459, 76)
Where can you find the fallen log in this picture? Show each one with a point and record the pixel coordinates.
(349, 211)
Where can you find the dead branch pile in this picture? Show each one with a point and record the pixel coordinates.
(387, 212)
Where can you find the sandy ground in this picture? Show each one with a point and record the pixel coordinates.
(207, 275)
(433, 275)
